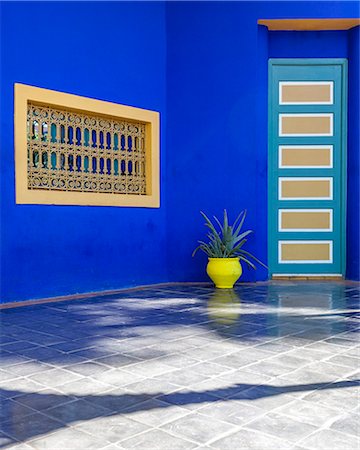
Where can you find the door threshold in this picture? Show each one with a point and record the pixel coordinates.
(307, 276)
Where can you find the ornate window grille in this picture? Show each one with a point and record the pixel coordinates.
(73, 151)
(100, 154)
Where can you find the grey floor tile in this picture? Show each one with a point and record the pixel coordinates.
(68, 438)
(305, 376)
(354, 351)
(84, 386)
(282, 427)
(87, 368)
(266, 397)
(182, 377)
(145, 353)
(150, 368)
(338, 340)
(19, 345)
(218, 387)
(118, 377)
(179, 361)
(92, 353)
(118, 360)
(157, 439)
(117, 400)
(54, 378)
(45, 399)
(77, 411)
(11, 359)
(20, 386)
(348, 423)
(72, 346)
(152, 386)
(343, 360)
(11, 410)
(337, 371)
(244, 376)
(28, 368)
(270, 368)
(30, 427)
(345, 399)
(188, 399)
(323, 346)
(208, 353)
(309, 354)
(42, 353)
(210, 369)
(231, 411)
(155, 413)
(199, 428)
(311, 413)
(250, 440)
(289, 360)
(113, 429)
(330, 439)
(274, 347)
(6, 376)
(240, 359)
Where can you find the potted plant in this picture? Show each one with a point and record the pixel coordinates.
(225, 250)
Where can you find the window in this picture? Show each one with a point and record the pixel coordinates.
(78, 151)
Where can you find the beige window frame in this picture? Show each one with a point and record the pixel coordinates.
(25, 94)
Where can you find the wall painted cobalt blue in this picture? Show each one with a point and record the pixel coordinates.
(353, 187)
(203, 65)
(217, 117)
(115, 52)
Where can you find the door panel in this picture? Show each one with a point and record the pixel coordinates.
(307, 166)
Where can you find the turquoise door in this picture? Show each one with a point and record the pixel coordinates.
(307, 166)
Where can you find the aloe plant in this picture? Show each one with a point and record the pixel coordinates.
(228, 240)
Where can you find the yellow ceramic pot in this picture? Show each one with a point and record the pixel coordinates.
(224, 271)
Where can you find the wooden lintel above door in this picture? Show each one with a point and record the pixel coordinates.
(309, 24)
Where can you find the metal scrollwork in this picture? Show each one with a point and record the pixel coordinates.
(82, 152)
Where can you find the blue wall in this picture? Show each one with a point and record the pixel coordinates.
(203, 65)
(353, 188)
(116, 52)
(211, 118)
(217, 117)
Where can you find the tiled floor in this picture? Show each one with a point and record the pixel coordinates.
(267, 366)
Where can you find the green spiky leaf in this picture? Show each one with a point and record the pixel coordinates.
(228, 240)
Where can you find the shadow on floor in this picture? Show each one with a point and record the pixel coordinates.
(54, 411)
(67, 333)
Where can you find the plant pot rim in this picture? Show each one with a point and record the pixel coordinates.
(224, 259)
